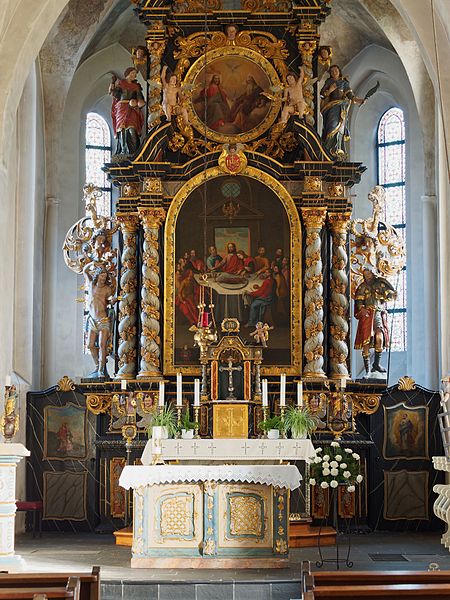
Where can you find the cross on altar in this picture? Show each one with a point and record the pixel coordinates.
(280, 447)
(195, 447)
(245, 447)
(178, 448)
(230, 370)
(212, 448)
(262, 447)
(297, 448)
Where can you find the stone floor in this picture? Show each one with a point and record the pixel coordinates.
(55, 552)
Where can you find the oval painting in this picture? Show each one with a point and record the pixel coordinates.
(229, 94)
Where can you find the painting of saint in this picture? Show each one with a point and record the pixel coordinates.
(242, 267)
(405, 432)
(65, 432)
(229, 93)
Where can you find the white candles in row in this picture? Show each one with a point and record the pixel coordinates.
(179, 389)
(161, 394)
(283, 389)
(300, 394)
(196, 392)
(265, 395)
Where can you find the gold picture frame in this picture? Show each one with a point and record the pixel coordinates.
(243, 59)
(295, 245)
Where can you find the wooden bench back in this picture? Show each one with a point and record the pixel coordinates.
(89, 583)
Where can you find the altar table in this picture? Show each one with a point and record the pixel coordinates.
(210, 516)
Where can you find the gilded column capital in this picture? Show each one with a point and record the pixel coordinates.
(314, 217)
(152, 217)
(312, 184)
(128, 222)
(339, 222)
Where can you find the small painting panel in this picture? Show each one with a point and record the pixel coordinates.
(406, 495)
(405, 432)
(117, 495)
(320, 502)
(65, 495)
(65, 432)
(346, 502)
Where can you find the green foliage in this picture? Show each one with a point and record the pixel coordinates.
(272, 423)
(186, 423)
(300, 421)
(165, 417)
(335, 466)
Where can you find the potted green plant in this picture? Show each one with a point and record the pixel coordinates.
(299, 421)
(187, 427)
(272, 427)
(163, 423)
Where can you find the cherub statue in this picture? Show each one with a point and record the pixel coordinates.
(261, 333)
(293, 96)
(174, 97)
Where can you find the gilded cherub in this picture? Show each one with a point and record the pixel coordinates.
(261, 333)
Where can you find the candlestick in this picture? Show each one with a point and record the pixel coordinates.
(265, 396)
(179, 409)
(123, 385)
(8, 381)
(283, 389)
(282, 412)
(196, 392)
(300, 394)
(343, 383)
(161, 394)
(265, 416)
(196, 419)
(179, 389)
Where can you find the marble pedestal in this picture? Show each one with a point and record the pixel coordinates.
(10, 455)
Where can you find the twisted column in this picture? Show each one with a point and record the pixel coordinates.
(151, 219)
(128, 299)
(314, 220)
(339, 303)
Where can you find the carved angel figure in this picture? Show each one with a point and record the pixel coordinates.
(261, 333)
(174, 96)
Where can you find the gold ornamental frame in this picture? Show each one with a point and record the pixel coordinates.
(295, 260)
(247, 54)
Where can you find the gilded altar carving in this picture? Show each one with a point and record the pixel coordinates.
(365, 403)
(152, 185)
(98, 403)
(176, 516)
(209, 547)
(314, 220)
(151, 218)
(406, 384)
(312, 184)
(336, 190)
(267, 6)
(246, 516)
(131, 189)
(156, 45)
(127, 350)
(307, 50)
(196, 6)
(65, 384)
(339, 300)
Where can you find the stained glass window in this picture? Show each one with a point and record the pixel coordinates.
(97, 153)
(391, 142)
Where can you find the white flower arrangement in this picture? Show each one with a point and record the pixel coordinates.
(329, 470)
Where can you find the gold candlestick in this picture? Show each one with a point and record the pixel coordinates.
(179, 409)
(265, 416)
(282, 411)
(196, 421)
(10, 419)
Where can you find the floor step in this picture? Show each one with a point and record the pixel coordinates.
(124, 537)
(304, 535)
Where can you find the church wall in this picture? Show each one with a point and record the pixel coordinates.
(372, 64)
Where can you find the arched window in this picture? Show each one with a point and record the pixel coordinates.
(391, 175)
(98, 152)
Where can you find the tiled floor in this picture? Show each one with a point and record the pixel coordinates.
(57, 552)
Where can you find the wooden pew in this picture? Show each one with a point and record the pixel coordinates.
(71, 591)
(89, 582)
(371, 585)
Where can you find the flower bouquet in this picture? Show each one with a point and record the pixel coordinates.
(334, 466)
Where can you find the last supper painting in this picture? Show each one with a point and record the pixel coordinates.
(233, 251)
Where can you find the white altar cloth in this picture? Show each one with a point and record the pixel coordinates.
(232, 450)
(283, 476)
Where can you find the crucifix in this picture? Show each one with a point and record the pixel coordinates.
(230, 370)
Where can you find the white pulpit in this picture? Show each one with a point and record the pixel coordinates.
(10, 455)
(210, 516)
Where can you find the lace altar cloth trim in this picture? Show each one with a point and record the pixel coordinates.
(283, 476)
(227, 450)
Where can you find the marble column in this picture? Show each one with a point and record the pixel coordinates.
(339, 300)
(128, 299)
(10, 455)
(314, 220)
(150, 366)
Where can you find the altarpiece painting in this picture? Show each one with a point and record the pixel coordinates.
(65, 432)
(405, 432)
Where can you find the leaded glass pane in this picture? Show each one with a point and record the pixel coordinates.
(392, 126)
(97, 131)
(391, 163)
(95, 160)
(395, 210)
(397, 323)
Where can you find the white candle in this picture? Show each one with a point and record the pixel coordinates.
(179, 389)
(343, 383)
(300, 394)
(8, 381)
(265, 397)
(196, 392)
(123, 385)
(161, 394)
(283, 389)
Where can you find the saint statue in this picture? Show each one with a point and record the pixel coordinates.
(337, 97)
(126, 112)
(370, 311)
